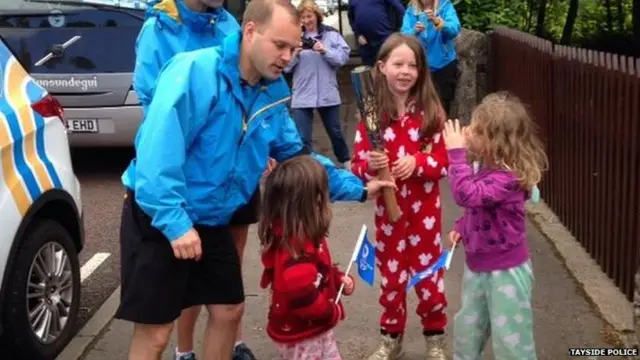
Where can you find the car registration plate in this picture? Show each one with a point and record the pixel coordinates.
(83, 125)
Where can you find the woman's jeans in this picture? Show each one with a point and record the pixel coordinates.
(331, 119)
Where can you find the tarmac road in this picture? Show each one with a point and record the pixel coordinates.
(99, 171)
(563, 318)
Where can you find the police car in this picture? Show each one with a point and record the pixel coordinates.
(41, 228)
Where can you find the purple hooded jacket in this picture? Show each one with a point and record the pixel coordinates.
(493, 227)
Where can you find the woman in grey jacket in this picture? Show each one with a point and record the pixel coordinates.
(315, 85)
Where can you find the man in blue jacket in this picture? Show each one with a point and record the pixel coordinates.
(172, 27)
(215, 117)
(372, 22)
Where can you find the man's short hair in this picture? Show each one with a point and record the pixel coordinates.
(261, 11)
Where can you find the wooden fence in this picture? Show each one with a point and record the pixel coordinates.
(587, 104)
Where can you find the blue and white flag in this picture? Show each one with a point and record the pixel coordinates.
(367, 260)
(431, 270)
(364, 255)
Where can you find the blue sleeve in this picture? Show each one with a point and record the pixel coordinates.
(337, 50)
(452, 25)
(352, 18)
(175, 114)
(408, 23)
(343, 185)
(397, 6)
(148, 64)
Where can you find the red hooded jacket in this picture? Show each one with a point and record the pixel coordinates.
(303, 293)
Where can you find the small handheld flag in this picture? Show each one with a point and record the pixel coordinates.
(364, 254)
(367, 261)
(431, 270)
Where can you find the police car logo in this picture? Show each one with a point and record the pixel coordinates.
(56, 19)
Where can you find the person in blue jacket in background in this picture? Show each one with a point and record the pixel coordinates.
(215, 117)
(172, 27)
(436, 24)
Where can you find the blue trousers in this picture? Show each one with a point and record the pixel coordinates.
(330, 116)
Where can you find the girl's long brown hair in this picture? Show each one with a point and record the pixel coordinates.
(423, 92)
(296, 200)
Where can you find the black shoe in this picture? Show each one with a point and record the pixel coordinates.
(242, 352)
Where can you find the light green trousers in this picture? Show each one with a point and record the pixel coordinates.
(496, 303)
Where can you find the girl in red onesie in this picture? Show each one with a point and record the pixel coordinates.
(412, 120)
(297, 263)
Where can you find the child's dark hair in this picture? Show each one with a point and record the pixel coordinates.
(296, 199)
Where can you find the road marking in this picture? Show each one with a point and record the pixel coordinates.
(90, 266)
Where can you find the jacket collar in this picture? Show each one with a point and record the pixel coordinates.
(174, 13)
(274, 89)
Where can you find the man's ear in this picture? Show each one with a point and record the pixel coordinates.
(249, 30)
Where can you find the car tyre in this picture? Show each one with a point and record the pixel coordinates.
(43, 235)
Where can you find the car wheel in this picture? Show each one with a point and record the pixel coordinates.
(43, 294)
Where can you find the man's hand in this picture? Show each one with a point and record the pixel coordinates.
(362, 40)
(375, 186)
(403, 167)
(187, 246)
(319, 47)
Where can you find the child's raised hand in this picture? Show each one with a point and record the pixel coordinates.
(404, 167)
(453, 135)
(378, 160)
(349, 285)
(454, 237)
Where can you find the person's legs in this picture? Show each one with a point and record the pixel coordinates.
(446, 81)
(186, 327)
(330, 116)
(154, 283)
(511, 314)
(216, 282)
(393, 264)
(303, 117)
(239, 226)
(218, 340)
(149, 341)
(471, 327)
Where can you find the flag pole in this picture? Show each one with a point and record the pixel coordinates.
(354, 257)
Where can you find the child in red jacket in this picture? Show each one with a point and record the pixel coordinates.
(412, 121)
(297, 262)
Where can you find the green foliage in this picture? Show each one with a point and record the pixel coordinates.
(592, 24)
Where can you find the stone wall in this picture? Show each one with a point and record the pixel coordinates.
(473, 59)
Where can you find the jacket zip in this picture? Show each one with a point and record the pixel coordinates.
(245, 124)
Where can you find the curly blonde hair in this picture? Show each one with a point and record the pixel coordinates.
(509, 138)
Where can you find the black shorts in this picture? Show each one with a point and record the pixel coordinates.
(249, 213)
(156, 286)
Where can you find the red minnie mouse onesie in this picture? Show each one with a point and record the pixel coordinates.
(412, 243)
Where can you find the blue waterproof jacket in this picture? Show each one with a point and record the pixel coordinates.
(440, 44)
(170, 28)
(194, 161)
